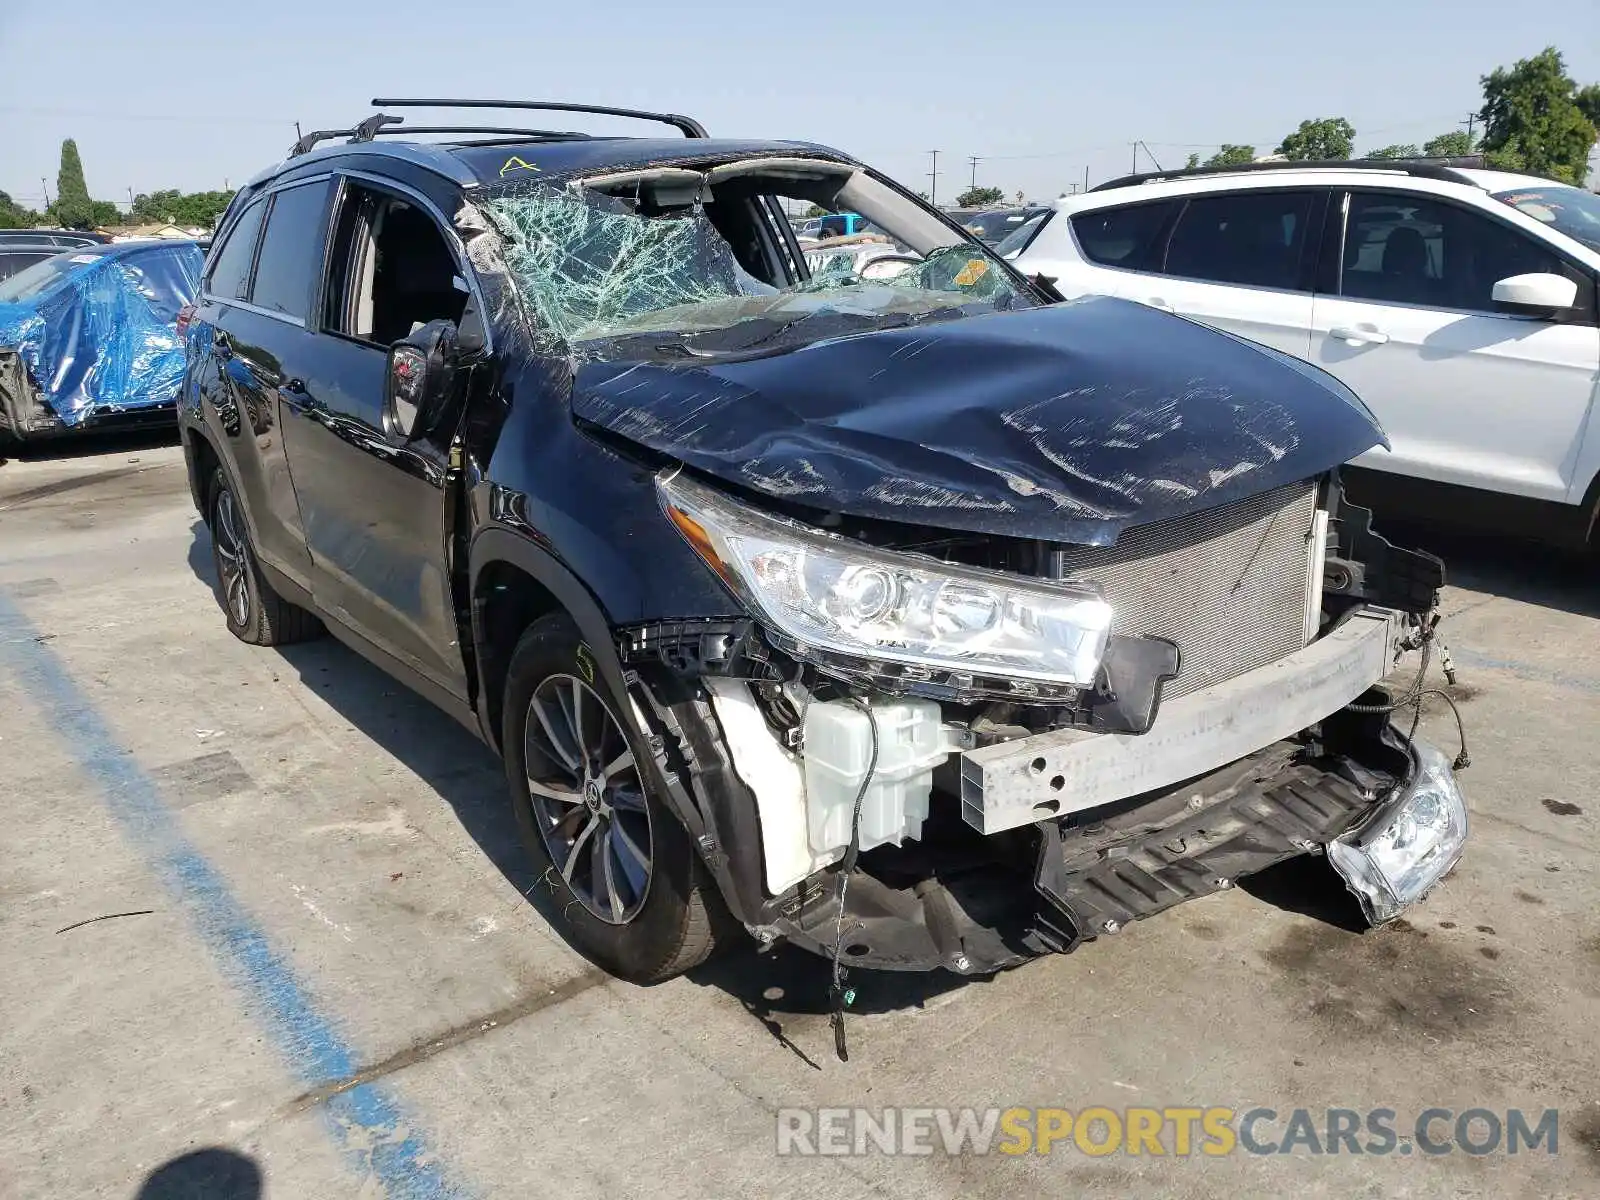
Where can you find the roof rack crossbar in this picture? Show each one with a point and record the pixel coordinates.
(687, 125)
(1425, 168)
(547, 135)
(363, 131)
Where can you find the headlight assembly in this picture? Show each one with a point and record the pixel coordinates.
(827, 596)
(1405, 848)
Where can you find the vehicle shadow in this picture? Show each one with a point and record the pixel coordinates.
(1308, 886)
(88, 445)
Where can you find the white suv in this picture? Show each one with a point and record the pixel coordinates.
(1459, 303)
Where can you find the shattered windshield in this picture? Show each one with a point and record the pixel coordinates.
(647, 273)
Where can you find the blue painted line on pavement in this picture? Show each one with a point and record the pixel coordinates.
(1523, 670)
(372, 1133)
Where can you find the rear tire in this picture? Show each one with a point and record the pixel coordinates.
(255, 613)
(586, 791)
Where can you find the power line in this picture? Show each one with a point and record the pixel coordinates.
(117, 115)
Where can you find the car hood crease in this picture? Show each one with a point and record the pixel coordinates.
(1068, 423)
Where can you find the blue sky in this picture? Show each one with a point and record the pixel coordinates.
(1040, 91)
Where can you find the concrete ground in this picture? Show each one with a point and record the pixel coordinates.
(330, 983)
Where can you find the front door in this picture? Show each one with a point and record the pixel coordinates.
(372, 500)
(1467, 394)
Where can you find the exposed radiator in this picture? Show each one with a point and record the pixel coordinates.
(1230, 585)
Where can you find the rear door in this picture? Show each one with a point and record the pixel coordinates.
(242, 349)
(1467, 394)
(1243, 262)
(374, 499)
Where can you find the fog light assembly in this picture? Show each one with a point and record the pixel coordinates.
(1409, 844)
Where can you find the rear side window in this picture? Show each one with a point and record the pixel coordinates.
(230, 268)
(1123, 237)
(1253, 239)
(291, 250)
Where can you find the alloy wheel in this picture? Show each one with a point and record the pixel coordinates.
(588, 798)
(231, 551)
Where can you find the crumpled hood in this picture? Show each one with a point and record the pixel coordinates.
(1067, 423)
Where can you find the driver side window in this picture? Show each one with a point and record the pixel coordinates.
(391, 270)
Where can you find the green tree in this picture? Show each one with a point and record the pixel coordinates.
(979, 197)
(1536, 119)
(14, 216)
(1448, 145)
(72, 207)
(1328, 138)
(200, 208)
(1399, 150)
(1192, 162)
(1232, 156)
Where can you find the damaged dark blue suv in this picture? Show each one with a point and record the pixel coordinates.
(892, 609)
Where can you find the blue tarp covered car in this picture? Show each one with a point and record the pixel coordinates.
(89, 337)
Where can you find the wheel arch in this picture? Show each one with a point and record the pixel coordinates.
(513, 584)
(202, 459)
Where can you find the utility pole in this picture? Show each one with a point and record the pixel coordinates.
(933, 177)
(1086, 179)
(1470, 123)
(974, 161)
(1134, 170)
(45, 187)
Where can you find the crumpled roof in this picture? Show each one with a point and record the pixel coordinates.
(104, 336)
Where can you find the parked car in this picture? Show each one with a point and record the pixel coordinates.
(840, 224)
(1460, 303)
(60, 238)
(993, 225)
(89, 338)
(15, 258)
(919, 622)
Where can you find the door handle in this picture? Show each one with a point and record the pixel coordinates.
(1356, 335)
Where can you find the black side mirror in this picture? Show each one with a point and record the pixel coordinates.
(421, 372)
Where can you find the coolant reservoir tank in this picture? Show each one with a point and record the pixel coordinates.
(838, 747)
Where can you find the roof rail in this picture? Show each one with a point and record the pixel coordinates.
(688, 125)
(541, 135)
(1426, 168)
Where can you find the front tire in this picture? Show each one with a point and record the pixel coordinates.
(254, 611)
(629, 889)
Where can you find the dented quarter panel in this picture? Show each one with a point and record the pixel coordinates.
(1070, 422)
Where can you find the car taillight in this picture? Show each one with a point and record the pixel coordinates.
(185, 315)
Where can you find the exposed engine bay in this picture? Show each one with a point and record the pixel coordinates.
(1225, 726)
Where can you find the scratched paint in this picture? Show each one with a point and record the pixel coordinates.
(1069, 423)
(376, 1139)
